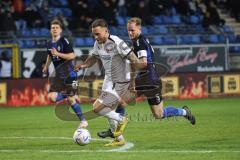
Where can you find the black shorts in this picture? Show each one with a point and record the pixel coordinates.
(68, 86)
(149, 88)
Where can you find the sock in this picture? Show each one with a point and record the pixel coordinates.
(109, 113)
(120, 138)
(121, 110)
(172, 111)
(77, 109)
(113, 124)
(60, 97)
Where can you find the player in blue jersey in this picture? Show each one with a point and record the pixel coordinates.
(64, 83)
(147, 81)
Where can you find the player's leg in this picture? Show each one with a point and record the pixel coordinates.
(118, 141)
(127, 98)
(56, 96)
(160, 112)
(76, 107)
(112, 123)
(155, 100)
(112, 100)
(105, 106)
(170, 111)
(71, 89)
(157, 110)
(55, 91)
(107, 111)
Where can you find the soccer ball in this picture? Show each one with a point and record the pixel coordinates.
(81, 136)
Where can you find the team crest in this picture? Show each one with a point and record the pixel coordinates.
(58, 48)
(109, 47)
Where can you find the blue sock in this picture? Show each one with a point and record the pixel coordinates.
(60, 97)
(172, 111)
(121, 110)
(77, 109)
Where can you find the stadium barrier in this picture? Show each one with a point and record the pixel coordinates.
(176, 59)
(33, 92)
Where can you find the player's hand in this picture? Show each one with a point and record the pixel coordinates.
(77, 68)
(45, 69)
(54, 52)
(132, 85)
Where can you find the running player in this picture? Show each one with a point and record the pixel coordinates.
(115, 56)
(61, 53)
(148, 81)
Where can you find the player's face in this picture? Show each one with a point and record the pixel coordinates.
(133, 30)
(100, 34)
(56, 30)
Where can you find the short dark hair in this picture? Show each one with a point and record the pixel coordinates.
(57, 22)
(99, 23)
(136, 20)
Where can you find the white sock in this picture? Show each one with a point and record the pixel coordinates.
(109, 113)
(184, 112)
(113, 124)
(120, 138)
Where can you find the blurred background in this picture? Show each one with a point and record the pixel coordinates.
(198, 41)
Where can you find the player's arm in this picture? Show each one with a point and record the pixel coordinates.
(138, 63)
(68, 56)
(90, 61)
(143, 61)
(126, 51)
(133, 76)
(48, 62)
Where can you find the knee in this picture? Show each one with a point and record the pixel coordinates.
(52, 96)
(98, 106)
(95, 110)
(158, 115)
(71, 99)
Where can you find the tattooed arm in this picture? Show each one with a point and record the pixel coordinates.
(90, 61)
(138, 63)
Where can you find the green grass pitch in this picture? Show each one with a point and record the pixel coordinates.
(35, 133)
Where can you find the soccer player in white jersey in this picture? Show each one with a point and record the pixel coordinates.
(115, 55)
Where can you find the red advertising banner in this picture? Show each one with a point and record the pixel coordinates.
(33, 92)
(26, 92)
(193, 86)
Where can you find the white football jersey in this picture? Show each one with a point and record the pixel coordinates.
(113, 54)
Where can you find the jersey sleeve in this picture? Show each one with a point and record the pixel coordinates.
(123, 48)
(142, 49)
(67, 46)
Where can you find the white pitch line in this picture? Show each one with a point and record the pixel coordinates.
(123, 148)
(67, 138)
(62, 138)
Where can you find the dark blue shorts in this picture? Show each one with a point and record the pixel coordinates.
(152, 89)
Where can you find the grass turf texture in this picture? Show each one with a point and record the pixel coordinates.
(215, 136)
